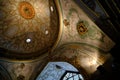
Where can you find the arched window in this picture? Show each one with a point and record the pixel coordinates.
(59, 71)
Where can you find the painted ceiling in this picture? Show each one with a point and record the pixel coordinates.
(36, 32)
(28, 26)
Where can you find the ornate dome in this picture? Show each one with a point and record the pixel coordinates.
(28, 28)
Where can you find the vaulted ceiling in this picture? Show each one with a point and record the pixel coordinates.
(36, 32)
(28, 27)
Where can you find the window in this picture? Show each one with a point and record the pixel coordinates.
(71, 75)
(59, 71)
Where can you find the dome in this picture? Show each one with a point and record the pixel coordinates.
(28, 28)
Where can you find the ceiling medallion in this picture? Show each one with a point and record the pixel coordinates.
(81, 28)
(26, 10)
